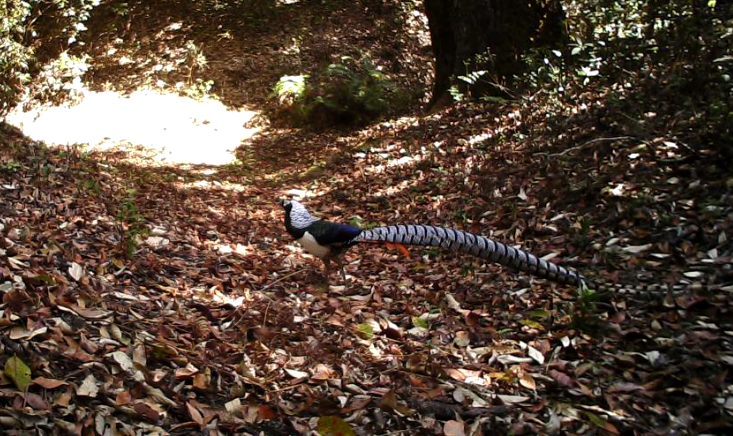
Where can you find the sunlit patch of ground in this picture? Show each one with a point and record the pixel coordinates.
(174, 129)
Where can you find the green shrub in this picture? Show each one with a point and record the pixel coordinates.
(15, 58)
(353, 91)
(33, 33)
(132, 223)
(673, 59)
(290, 92)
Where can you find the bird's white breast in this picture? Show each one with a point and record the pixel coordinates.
(308, 242)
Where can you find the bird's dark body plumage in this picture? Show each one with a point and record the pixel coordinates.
(327, 232)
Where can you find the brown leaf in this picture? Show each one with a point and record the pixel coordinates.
(139, 355)
(357, 403)
(90, 313)
(16, 300)
(473, 318)
(454, 428)
(389, 403)
(88, 346)
(49, 383)
(462, 374)
(146, 412)
(35, 401)
(81, 356)
(18, 332)
(527, 381)
(187, 372)
(64, 399)
(89, 387)
(266, 412)
(202, 381)
(195, 414)
(123, 398)
(562, 378)
(625, 387)
(322, 372)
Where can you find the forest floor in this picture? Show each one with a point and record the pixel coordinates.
(145, 297)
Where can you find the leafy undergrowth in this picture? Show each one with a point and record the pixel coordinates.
(238, 52)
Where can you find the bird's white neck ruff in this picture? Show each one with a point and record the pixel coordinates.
(300, 218)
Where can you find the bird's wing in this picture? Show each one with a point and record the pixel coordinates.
(327, 233)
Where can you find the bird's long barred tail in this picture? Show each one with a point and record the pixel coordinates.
(495, 251)
(480, 246)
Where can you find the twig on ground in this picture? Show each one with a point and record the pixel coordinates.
(281, 279)
(586, 144)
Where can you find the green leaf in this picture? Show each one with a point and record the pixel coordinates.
(595, 419)
(17, 371)
(40, 280)
(419, 322)
(532, 324)
(356, 221)
(334, 426)
(366, 330)
(588, 72)
(540, 314)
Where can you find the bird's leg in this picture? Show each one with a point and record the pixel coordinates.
(327, 265)
(340, 265)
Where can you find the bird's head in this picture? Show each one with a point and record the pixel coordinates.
(286, 204)
(296, 214)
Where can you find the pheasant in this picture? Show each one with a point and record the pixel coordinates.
(328, 240)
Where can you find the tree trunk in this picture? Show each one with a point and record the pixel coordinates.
(488, 35)
(444, 45)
